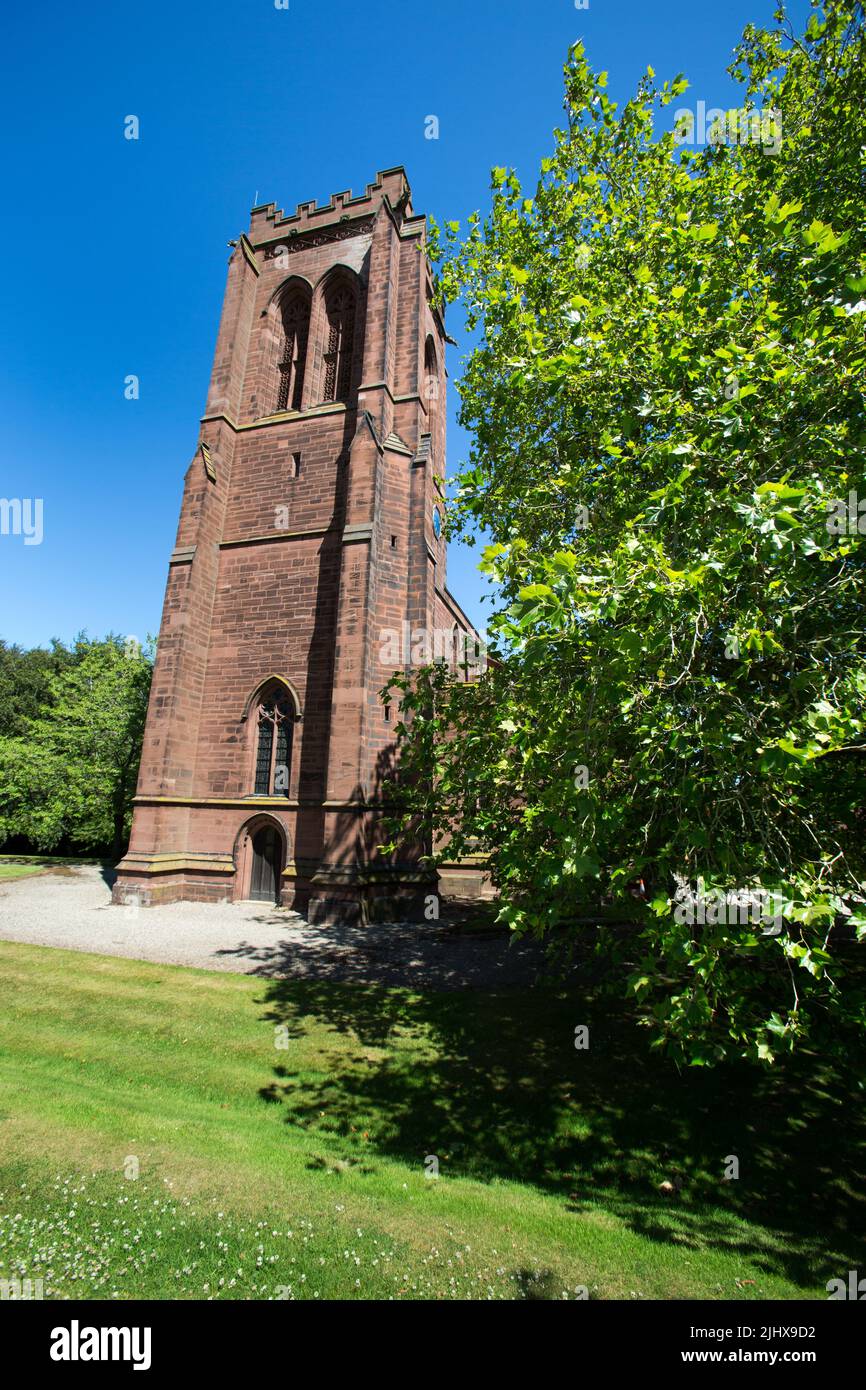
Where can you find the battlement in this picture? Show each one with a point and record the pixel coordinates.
(391, 185)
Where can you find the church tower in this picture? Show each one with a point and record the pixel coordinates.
(310, 540)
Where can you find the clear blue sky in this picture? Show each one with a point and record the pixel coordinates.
(115, 251)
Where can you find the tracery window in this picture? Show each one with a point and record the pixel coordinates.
(274, 750)
(295, 315)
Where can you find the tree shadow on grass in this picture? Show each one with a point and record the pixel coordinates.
(492, 1084)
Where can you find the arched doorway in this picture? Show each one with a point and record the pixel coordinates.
(267, 866)
(260, 854)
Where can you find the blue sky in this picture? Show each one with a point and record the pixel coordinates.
(116, 250)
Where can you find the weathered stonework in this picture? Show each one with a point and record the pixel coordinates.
(304, 534)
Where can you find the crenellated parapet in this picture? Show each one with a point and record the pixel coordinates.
(391, 188)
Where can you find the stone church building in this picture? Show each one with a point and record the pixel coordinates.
(310, 540)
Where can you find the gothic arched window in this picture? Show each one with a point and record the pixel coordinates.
(340, 313)
(295, 316)
(276, 716)
(431, 370)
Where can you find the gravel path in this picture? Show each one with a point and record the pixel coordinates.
(72, 908)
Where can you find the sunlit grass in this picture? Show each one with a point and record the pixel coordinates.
(49, 860)
(316, 1108)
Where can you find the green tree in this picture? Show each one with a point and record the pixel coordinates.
(71, 772)
(667, 403)
(23, 681)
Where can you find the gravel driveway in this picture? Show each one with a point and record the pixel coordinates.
(72, 908)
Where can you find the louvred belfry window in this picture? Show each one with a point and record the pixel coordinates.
(340, 309)
(296, 328)
(274, 751)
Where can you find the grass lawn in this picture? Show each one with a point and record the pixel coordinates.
(280, 1132)
(23, 865)
(50, 859)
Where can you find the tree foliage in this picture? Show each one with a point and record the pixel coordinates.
(70, 770)
(667, 404)
(24, 678)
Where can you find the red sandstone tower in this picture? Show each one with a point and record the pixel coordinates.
(309, 538)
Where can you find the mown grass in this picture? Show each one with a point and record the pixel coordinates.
(14, 866)
(49, 860)
(254, 1108)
